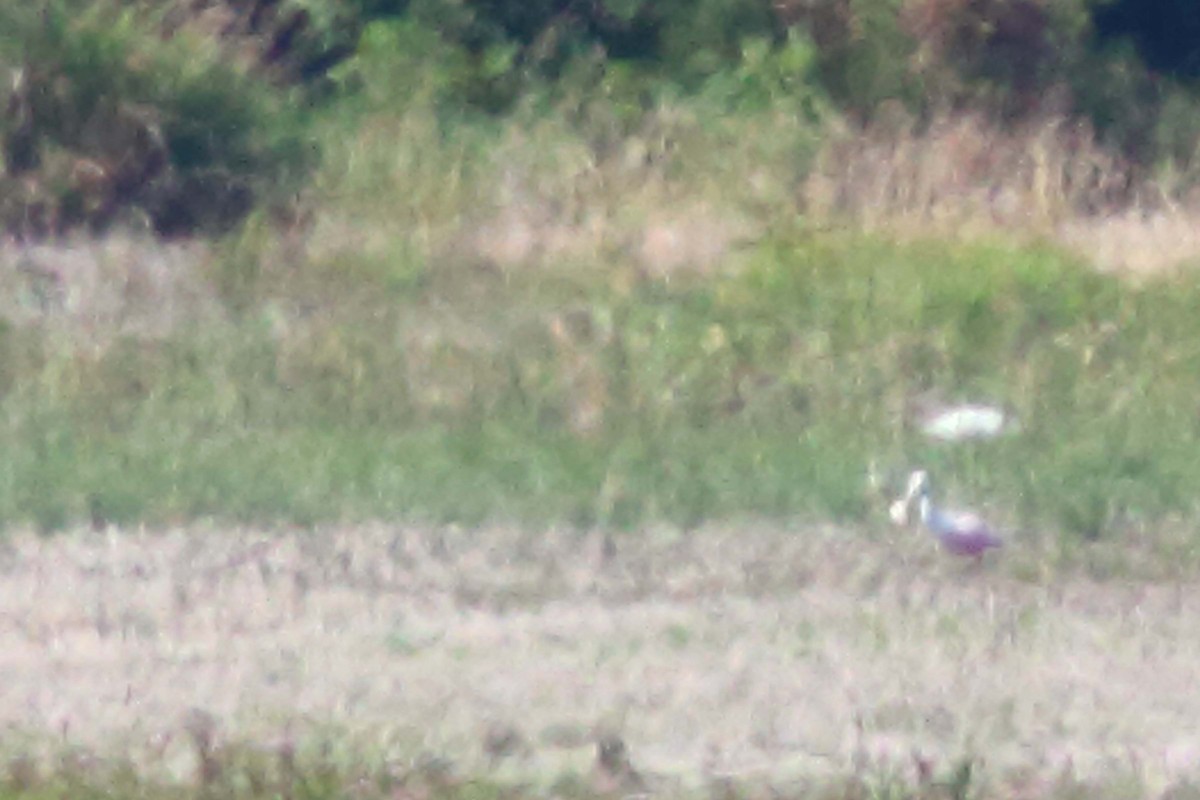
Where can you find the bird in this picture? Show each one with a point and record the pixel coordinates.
(961, 533)
(966, 421)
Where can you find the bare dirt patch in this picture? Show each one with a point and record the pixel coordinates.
(743, 650)
(89, 294)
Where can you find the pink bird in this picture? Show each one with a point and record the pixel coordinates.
(962, 533)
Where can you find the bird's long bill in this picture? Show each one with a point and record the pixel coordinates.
(918, 482)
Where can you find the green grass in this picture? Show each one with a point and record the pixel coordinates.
(392, 365)
(765, 393)
(236, 772)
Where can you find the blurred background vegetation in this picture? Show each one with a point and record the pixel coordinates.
(184, 116)
(593, 261)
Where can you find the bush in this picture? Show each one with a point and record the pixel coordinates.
(107, 121)
(508, 42)
(291, 41)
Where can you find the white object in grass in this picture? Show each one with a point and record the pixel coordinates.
(967, 421)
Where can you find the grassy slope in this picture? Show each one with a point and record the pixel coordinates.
(480, 326)
(587, 398)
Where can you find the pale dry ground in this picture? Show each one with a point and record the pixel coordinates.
(748, 650)
(90, 293)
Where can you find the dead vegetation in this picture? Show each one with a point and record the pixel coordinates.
(965, 175)
(88, 294)
(736, 656)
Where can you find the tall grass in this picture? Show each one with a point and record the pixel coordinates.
(604, 308)
(584, 397)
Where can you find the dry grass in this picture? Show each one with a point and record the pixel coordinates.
(91, 292)
(1137, 242)
(964, 169)
(965, 176)
(744, 651)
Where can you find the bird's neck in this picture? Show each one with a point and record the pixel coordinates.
(923, 506)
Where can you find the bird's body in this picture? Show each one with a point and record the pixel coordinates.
(961, 533)
(965, 422)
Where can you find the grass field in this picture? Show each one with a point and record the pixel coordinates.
(518, 451)
(397, 661)
(597, 396)
(612, 307)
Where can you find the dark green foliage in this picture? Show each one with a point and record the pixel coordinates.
(105, 122)
(508, 42)
(865, 53)
(182, 118)
(1166, 32)
(678, 35)
(292, 41)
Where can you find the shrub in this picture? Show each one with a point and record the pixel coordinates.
(107, 121)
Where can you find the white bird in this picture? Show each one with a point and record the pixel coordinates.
(962, 533)
(967, 421)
